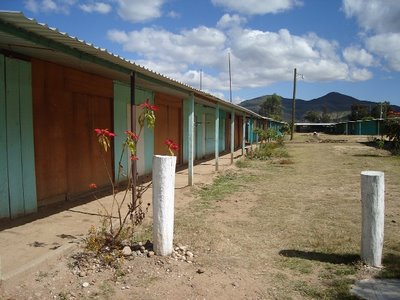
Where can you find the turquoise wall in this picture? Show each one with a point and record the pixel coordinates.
(17, 174)
(121, 115)
(209, 132)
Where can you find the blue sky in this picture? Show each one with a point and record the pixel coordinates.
(347, 46)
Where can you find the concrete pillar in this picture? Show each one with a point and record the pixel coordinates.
(243, 133)
(373, 211)
(217, 137)
(191, 140)
(163, 203)
(232, 134)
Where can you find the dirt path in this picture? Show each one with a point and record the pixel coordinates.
(267, 230)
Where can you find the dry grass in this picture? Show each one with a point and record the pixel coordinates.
(294, 228)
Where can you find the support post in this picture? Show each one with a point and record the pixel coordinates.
(163, 203)
(133, 129)
(293, 104)
(373, 212)
(232, 134)
(243, 133)
(191, 139)
(217, 137)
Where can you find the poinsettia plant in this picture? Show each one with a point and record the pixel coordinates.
(172, 146)
(112, 235)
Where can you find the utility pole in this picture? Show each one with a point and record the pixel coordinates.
(293, 104)
(201, 79)
(230, 77)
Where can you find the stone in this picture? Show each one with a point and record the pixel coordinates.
(200, 271)
(183, 248)
(85, 284)
(150, 253)
(189, 254)
(142, 248)
(126, 251)
(82, 274)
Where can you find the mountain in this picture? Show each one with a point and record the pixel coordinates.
(336, 104)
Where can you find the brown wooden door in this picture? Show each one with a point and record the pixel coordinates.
(68, 105)
(168, 124)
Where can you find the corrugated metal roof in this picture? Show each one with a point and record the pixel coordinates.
(41, 41)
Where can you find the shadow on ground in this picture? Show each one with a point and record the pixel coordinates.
(347, 259)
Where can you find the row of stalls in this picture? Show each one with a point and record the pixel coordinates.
(360, 127)
(55, 90)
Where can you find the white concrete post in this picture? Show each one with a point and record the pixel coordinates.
(373, 211)
(163, 203)
(217, 137)
(191, 135)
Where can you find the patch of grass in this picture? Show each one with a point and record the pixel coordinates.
(391, 263)
(297, 264)
(267, 151)
(305, 289)
(222, 186)
(106, 290)
(243, 163)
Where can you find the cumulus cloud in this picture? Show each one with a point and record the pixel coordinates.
(99, 7)
(257, 7)
(379, 16)
(258, 58)
(387, 46)
(228, 21)
(357, 56)
(360, 74)
(380, 21)
(58, 6)
(138, 10)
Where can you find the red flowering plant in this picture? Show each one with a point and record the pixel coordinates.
(172, 146)
(112, 235)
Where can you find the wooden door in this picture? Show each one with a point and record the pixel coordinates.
(168, 124)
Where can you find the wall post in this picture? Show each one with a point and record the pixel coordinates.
(373, 212)
(163, 203)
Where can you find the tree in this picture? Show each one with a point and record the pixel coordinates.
(383, 108)
(272, 107)
(358, 112)
(325, 116)
(312, 116)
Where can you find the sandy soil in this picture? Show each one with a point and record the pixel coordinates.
(285, 230)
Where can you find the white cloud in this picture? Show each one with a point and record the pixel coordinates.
(99, 7)
(379, 16)
(357, 56)
(228, 21)
(360, 74)
(387, 46)
(258, 58)
(139, 10)
(47, 6)
(257, 7)
(380, 19)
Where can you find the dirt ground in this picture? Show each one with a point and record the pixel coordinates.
(278, 229)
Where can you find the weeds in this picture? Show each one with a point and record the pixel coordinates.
(267, 151)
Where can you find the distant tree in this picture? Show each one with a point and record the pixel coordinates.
(383, 107)
(358, 112)
(312, 116)
(325, 116)
(272, 107)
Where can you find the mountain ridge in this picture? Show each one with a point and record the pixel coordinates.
(336, 104)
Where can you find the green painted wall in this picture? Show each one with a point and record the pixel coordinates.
(222, 128)
(148, 133)
(185, 129)
(4, 200)
(121, 101)
(209, 133)
(16, 139)
(121, 123)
